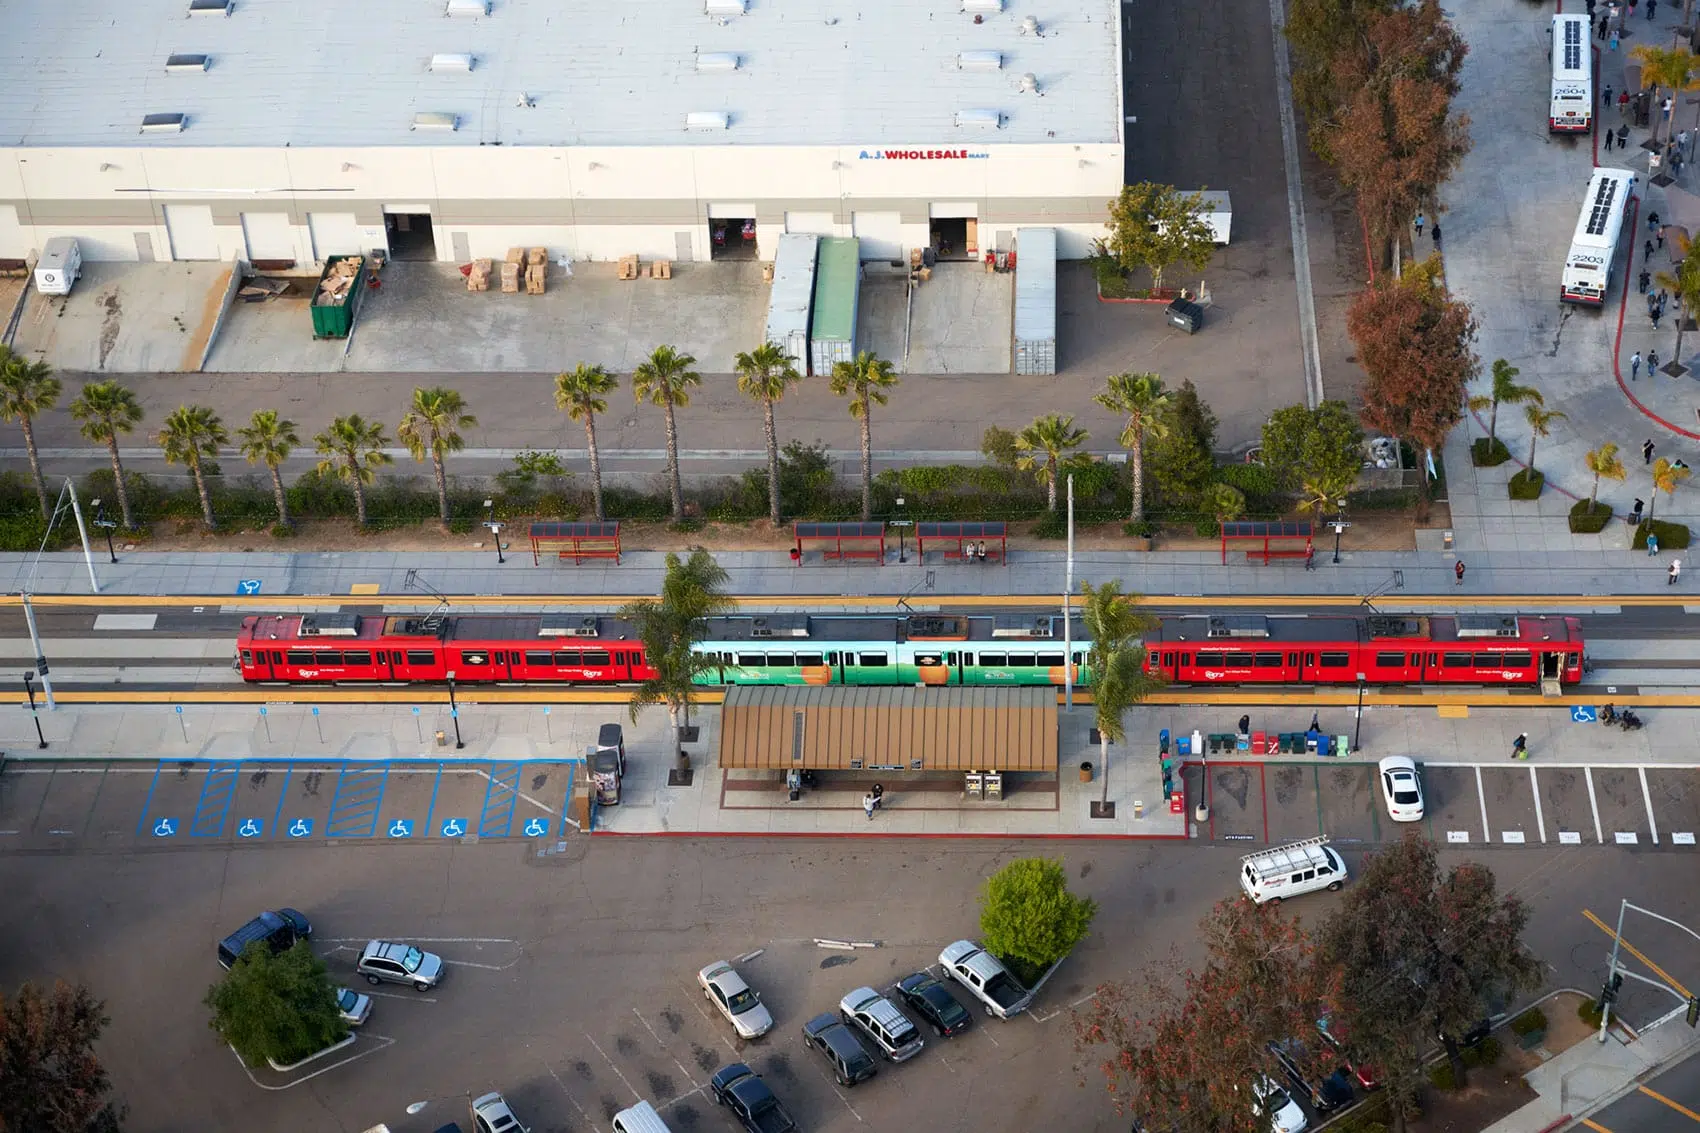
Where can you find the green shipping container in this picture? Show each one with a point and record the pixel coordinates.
(336, 319)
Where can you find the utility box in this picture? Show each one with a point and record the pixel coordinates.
(1036, 301)
(60, 264)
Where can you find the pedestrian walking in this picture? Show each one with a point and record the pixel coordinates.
(1612, 42)
(1682, 143)
(1652, 544)
(1520, 746)
(1458, 572)
(1635, 365)
(879, 795)
(1646, 249)
(1652, 362)
(1435, 234)
(1245, 725)
(1310, 556)
(1314, 725)
(1635, 515)
(1658, 313)
(1604, 20)
(1623, 130)
(1647, 451)
(868, 805)
(1421, 220)
(1645, 278)
(1674, 573)
(1653, 221)
(1631, 10)
(1610, 138)
(1660, 234)
(1652, 7)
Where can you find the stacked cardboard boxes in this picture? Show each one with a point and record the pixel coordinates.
(628, 267)
(478, 279)
(511, 269)
(536, 270)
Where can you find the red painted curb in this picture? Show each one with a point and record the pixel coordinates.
(1617, 342)
(1559, 1124)
(891, 834)
(1102, 298)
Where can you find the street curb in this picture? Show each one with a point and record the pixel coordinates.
(1682, 1053)
(1000, 836)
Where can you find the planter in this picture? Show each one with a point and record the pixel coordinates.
(1086, 772)
(1532, 1039)
(334, 1047)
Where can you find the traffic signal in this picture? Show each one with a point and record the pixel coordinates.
(1608, 993)
(1693, 1010)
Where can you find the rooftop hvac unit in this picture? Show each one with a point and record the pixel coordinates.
(724, 7)
(980, 60)
(1030, 26)
(707, 120)
(567, 625)
(436, 120)
(1029, 83)
(210, 7)
(163, 123)
(1021, 625)
(931, 626)
(982, 6)
(451, 62)
(1242, 625)
(780, 625)
(186, 62)
(330, 625)
(1487, 625)
(717, 61)
(467, 8)
(979, 119)
(1392, 625)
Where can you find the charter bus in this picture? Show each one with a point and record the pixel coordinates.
(1572, 107)
(1587, 269)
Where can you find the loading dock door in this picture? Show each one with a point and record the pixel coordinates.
(269, 236)
(191, 230)
(881, 234)
(334, 234)
(811, 223)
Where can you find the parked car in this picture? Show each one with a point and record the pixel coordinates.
(1401, 788)
(837, 1043)
(726, 989)
(279, 930)
(986, 978)
(1271, 1101)
(1364, 1076)
(355, 1008)
(742, 1091)
(931, 1000)
(385, 961)
(878, 1018)
(1327, 1087)
(490, 1114)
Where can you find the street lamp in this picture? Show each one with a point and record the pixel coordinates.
(1358, 729)
(29, 690)
(105, 525)
(495, 528)
(454, 710)
(900, 525)
(1339, 524)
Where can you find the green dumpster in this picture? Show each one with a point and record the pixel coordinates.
(337, 296)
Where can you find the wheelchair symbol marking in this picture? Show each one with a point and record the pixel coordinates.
(536, 828)
(250, 828)
(401, 828)
(1583, 714)
(165, 828)
(300, 828)
(249, 586)
(454, 827)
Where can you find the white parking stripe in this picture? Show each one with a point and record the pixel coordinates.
(663, 1046)
(635, 1095)
(1594, 804)
(1647, 797)
(569, 1093)
(1481, 798)
(1535, 789)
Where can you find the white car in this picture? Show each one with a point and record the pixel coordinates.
(490, 1114)
(726, 989)
(355, 1008)
(1284, 1113)
(1402, 789)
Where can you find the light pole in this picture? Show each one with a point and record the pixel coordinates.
(454, 710)
(29, 689)
(105, 525)
(495, 528)
(1339, 524)
(1358, 729)
(900, 523)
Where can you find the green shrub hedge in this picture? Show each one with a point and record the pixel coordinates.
(1530, 1021)
(1589, 519)
(1672, 536)
(1527, 484)
(1488, 454)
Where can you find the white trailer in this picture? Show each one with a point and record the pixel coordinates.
(792, 296)
(1593, 249)
(1035, 301)
(60, 264)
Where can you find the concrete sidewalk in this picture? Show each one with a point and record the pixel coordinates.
(1589, 1076)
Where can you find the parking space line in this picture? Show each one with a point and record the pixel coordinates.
(1535, 789)
(663, 1046)
(1263, 790)
(363, 785)
(635, 1095)
(147, 803)
(282, 796)
(1316, 777)
(1638, 954)
(572, 773)
(569, 1093)
(726, 1042)
(1647, 797)
(1594, 805)
(431, 810)
(1676, 1105)
(1594, 1125)
(1481, 799)
(218, 791)
(501, 795)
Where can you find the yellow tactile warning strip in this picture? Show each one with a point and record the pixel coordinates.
(1453, 711)
(364, 588)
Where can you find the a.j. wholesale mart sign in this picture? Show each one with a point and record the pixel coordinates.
(921, 155)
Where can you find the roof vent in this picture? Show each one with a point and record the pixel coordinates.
(982, 5)
(163, 123)
(186, 62)
(451, 62)
(467, 8)
(717, 61)
(724, 7)
(707, 120)
(436, 120)
(567, 625)
(1030, 26)
(980, 61)
(980, 119)
(333, 624)
(1029, 83)
(210, 7)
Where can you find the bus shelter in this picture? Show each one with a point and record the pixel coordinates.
(961, 540)
(840, 541)
(576, 541)
(1267, 540)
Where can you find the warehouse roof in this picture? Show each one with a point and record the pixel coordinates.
(872, 73)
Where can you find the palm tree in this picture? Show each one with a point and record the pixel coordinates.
(193, 433)
(432, 426)
(1227, 503)
(1540, 425)
(1666, 477)
(765, 374)
(864, 381)
(1684, 283)
(1115, 661)
(1603, 461)
(691, 590)
(580, 393)
(267, 439)
(27, 390)
(353, 448)
(1139, 398)
(1042, 446)
(665, 378)
(1670, 68)
(108, 410)
(1506, 390)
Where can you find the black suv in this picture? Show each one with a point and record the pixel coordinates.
(849, 1059)
(280, 930)
(932, 1001)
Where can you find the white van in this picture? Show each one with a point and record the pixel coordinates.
(60, 265)
(1288, 871)
(641, 1118)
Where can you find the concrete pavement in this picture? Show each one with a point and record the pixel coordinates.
(1591, 1077)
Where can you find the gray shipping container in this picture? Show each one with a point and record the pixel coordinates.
(793, 294)
(838, 283)
(1035, 301)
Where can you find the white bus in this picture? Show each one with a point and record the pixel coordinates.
(1587, 269)
(1572, 107)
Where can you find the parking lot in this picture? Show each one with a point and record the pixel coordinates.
(1526, 804)
(255, 801)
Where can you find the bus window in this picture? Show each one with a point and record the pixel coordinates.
(872, 660)
(1490, 660)
(1021, 660)
(421, 657)
(568, 658)
(1335, 660)
(809, 661)
(1456, 660)
(327, 657)
(1050, 660)
(993, 660)
(1519, 660)
(1390, 660)
(357, 657)
(781, 661)
(300, 656)
(1268, 660)
(751, 660)
(539, 657)
(1211, 660)
(596, 657)
(1239, 660)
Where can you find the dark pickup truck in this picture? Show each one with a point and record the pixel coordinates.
(742, 1091)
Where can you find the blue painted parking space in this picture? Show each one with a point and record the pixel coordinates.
(500, 798)
(218, 791)
(354, 806)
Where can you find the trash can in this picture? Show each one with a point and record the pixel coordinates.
(1185, 315)
(1086, 771)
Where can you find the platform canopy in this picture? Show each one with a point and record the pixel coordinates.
(779, 727)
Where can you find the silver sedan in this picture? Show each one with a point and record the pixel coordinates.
(726, 989)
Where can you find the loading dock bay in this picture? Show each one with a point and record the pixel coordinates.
(1530, 804)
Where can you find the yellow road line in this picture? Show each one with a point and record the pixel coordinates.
(1676, 1105)
(1594, 1125)
(1637, 953)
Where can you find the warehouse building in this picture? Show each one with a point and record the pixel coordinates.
(277, 130)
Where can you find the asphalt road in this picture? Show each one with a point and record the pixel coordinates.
(1669, 1103)
(571, 983)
